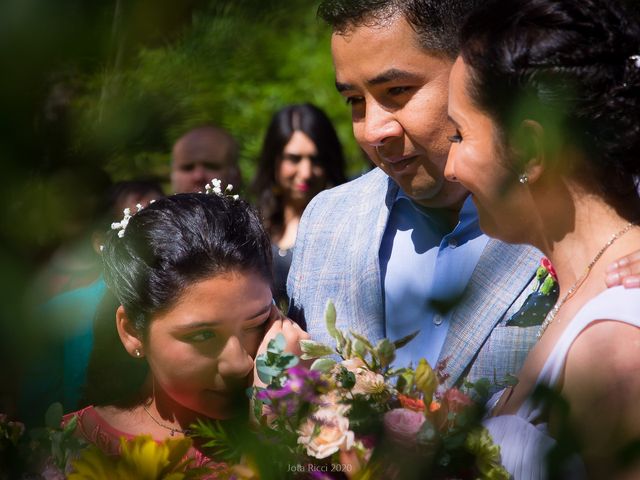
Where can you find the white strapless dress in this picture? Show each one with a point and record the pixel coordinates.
(523, 444)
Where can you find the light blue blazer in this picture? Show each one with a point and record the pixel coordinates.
(336, 258)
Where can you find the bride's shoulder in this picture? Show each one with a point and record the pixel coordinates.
(604, 361)
(601, 383)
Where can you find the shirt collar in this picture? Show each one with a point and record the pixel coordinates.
(468, 214)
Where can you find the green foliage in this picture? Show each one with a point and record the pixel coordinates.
(275, 361)
(220, 442)
(235, 66)
(311, 349)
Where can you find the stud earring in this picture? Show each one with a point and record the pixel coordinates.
(523, 179)
(137, 353)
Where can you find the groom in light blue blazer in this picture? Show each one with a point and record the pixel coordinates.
(399, 249)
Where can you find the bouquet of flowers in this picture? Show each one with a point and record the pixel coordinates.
(351, 414)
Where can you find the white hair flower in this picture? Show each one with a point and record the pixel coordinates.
(215, 187)
(122, 224)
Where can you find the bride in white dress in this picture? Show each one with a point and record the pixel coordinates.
(545, 101)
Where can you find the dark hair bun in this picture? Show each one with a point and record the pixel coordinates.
(573, 58)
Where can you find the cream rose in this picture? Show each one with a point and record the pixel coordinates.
(325, 433)
(368, 382)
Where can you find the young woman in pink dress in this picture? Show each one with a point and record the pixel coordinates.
(189, 306)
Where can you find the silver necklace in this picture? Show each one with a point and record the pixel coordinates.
(172, 430)
(554, 311)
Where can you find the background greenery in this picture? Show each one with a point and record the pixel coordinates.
(234, 65)
(109, 85)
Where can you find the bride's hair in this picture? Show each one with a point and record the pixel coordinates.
(167, 246)
(572, 65)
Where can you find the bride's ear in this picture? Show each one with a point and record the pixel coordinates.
(129, 336)
(530, 149)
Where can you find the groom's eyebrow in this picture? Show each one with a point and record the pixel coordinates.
(343, 87)
(390, 75)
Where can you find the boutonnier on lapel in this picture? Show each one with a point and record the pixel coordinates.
(541, 300)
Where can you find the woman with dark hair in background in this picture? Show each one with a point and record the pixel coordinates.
(301, 156)
(186, 311)
(545, 98)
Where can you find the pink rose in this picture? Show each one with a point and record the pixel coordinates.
(402, 425)
(456, 400)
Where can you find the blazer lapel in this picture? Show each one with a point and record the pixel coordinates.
(375, 207)
(501, 275)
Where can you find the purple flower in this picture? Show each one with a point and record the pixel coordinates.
(301, 385)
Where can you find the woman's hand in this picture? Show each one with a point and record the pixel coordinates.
(279, 323)
(625, 271)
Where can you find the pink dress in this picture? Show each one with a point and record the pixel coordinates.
(95, 430)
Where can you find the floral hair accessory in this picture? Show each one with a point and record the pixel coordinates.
(122, 224)
(215, 187)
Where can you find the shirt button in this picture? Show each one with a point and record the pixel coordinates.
(453, 243)
(437, 320)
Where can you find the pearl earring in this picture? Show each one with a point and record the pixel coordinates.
(137, 353)
(523, 179)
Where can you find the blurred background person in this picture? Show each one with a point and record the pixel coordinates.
(202, 154)
(301, 156)
(56, 371)
(72, 200)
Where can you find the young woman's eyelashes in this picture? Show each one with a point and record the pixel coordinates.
(200, 336)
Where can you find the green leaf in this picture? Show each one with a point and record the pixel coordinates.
(547, 285)
(404, 340)
(428, 434)
(70, 427)
(53, 416)
(386, 352)
(220, 442)
(453, 442)
(330, 320)
(323, 364)
(347, 348)
(277, 344)
(311, 349)
(346, 378)
(359, 348)
(266, 372)
(426, 380)
(287, 360)
(405, 381)
(366, 342)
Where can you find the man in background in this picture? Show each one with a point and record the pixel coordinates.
(202, 154)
